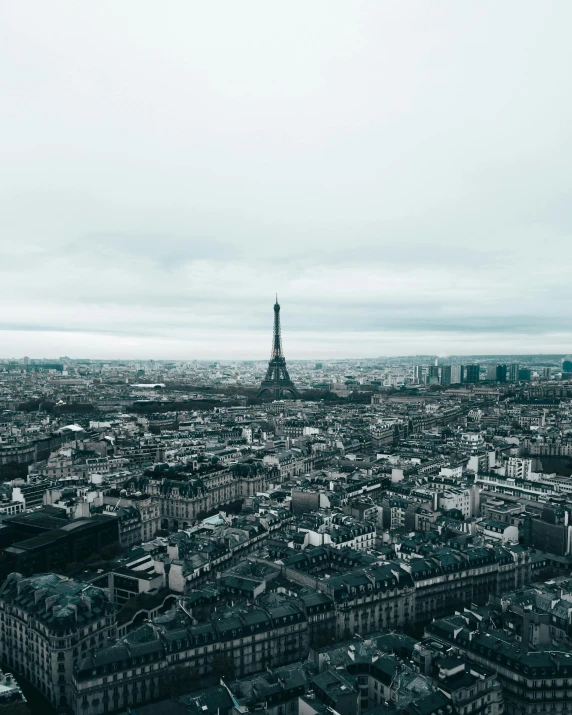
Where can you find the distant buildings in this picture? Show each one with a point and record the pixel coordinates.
(446, 375)
(501, 373)
(433, 375)
(472, 373)
(457, 374)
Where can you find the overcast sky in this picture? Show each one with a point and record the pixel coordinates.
(399, 172)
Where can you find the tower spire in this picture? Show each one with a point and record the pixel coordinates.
(277, 338)
(277, 381)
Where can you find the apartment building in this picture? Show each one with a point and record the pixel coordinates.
(532, 681)
(48, 623)
(240, 641)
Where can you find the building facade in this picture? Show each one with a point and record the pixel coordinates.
(234, 644)
(47, 623)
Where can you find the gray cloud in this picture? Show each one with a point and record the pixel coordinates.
(399, 173)
(166, 251)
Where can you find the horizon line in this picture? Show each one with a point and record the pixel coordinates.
(264, 360)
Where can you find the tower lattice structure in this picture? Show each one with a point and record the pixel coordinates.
(277, 382)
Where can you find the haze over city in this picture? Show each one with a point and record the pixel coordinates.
(398, 172)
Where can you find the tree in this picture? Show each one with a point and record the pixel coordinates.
(110, 551)
(321, 638)
(223, 665)
(13, 470)
(180, 680)
(15, 709)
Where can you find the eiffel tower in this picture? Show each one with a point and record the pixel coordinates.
(277, 382)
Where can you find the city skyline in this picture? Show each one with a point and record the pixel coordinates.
(252, 340)
(443, 359)
(285, 357)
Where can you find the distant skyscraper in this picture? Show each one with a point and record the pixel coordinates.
(472, 373)
(446, 373)
(277, 381)
(433, 375)
(418, 374)
(491, 372)
(547, 373)
(524, 374)
(456, 374)
(501, 373)
(567, 364)
(513, 369)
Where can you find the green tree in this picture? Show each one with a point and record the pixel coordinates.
(223, 665)
(321, 638)
(15, 709)
(180, 680)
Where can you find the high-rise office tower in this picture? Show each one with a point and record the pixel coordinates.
(457, 374)
(472, 373)
(513, 372)
(433, 375)
(418, 374)
(524, 374)
(501, 373)
(446, 372)
(491, 372)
